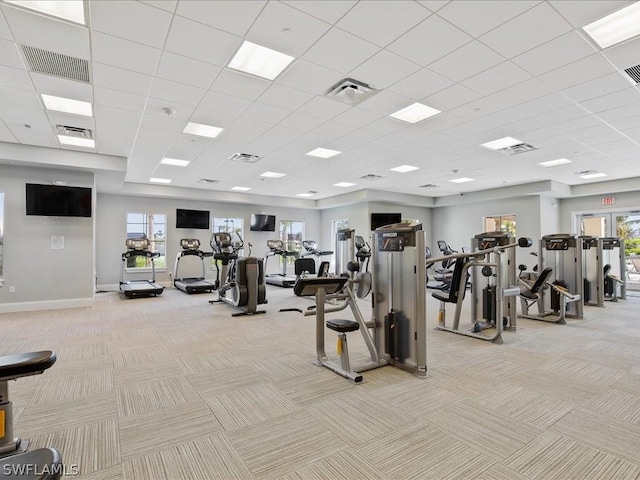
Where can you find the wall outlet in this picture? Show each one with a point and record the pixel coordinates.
(12, 289)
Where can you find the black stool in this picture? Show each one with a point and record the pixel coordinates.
(343, 327)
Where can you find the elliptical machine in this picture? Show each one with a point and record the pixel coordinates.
(241, 281)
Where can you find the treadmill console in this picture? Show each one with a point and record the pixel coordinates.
(610, 243)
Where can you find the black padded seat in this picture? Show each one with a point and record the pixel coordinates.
(343, 326)
(451, 295)
(606, 270)
(23, 364)
(40, 464)
(532, 293)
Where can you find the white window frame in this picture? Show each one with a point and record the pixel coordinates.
(286, 242)
(144, 226)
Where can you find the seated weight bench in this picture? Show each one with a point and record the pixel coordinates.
(13, 367)
(40, 464)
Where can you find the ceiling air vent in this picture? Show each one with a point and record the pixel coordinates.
(244, 157)
(516, 149)
(56, 64)
(73, 131)
(351, 91)
(428, 185)
(371, 177)
(208, 181)
(634, 73)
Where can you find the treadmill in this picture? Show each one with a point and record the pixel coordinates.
(191, 248)
(139, 247)
(276, 247)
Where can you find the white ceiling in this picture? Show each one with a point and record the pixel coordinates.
(494, 68)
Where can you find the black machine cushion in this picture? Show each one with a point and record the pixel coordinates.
(532, 293)
(606, 270)
(305, 265)
(452, 295)
(40, 464)
(23, 364)
(343, 325)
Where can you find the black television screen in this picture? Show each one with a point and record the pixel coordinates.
(382, 219)
(58, 201)
(263, 223)
(198, 219)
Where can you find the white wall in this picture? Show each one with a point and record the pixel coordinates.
(550, 216)
(42, 277)
(112, 223)
(569, 207)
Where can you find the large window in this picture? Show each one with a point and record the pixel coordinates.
(291, 234)
(500, 223)
(232, 226)
(152, 226)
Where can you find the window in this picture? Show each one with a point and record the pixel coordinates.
(229, 225)
(500, 223)
(154, 227)
(291, 234)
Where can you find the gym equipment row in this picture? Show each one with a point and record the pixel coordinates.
(604, 269)
(15, 461)
(139, 247)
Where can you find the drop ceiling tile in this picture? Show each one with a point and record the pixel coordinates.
(422, 83)
(384, 69)
(582, 12)
(478, 108)
(613, 100)
(167, 5)
(331, 131)
(4, 28)
(624, 55)
(521, 92)
(323, 108)
(169, 125)
(121, 53)
(477, 18)
(286, 29)
(132, 21)
(534, 27)
(22, 98)
(6, 135)
(357, 117)
(625, 112)
(223, 103)
(309, 77)
(440, 122)
(382, 21)
(596, 88)
(210, 117)
(155, 106)
(47, 33)
(37, 138)
(450, 98)
(554, 54)
(9, 56)
(118, 99)
(207, 44)
(15, 78)
(330, 51)
(433, 5)
(240, 85)
(33, 116)
(497, 78)
(330, 12)
(176, 92)
(561, 115)
(265, 113)
(61, 87)
(106, 115)
(579, 124)
(440, 36)
(301, 122)
(120, 79)
(245, 125)
(284, 97)
(385, 102)
(187, 70)
(466, 61)
(231, 16)
(385, 126)
(578, 72)
(57, 118)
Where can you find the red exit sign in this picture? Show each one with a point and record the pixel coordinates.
(608, 200)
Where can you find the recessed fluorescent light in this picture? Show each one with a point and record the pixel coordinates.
(343, 184)
(462, 180)
(240, 189)
(72, 10)
(616, 27)
(415, 113)
(202, 130)
(593, 175)
(67, 105)
(404, 168)
(323, 153)
(555, 163)
(175, 161)
(77, 142)
(273, 175)
(307, 194)
(260, 61)
(160, 180)
(501, 143)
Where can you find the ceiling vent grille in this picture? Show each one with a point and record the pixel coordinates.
(351, 91)
(634, 73)
(244, 157)
(371, 177)
(209, 181)
(428, 185)
(76, 132)
(586, 172)
(517, 149)
(57, 64)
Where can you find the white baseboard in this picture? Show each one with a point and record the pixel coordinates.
(46, 305)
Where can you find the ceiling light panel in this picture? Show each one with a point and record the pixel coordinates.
(273, 175)
(159, 180)
(67, 105)
(72, 10)
(404, 168)
(306, 194)
(462, 180)
(555, 163)
(323, 153)
(343, 184)
(202, 130)
(175, 161)
(260, 61)
(415, 113)
(77, 142)
(240, 189)
(616, 27)
(501, 143)
(589, 176)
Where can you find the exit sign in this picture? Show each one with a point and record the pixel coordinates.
(608, 200)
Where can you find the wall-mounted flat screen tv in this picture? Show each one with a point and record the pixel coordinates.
(58, 201)
(381, 219)
(198, 219)
(263, 223)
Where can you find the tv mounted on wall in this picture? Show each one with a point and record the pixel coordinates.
(58, 201)
(198, 219)
(382, 219)
(263, 223)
